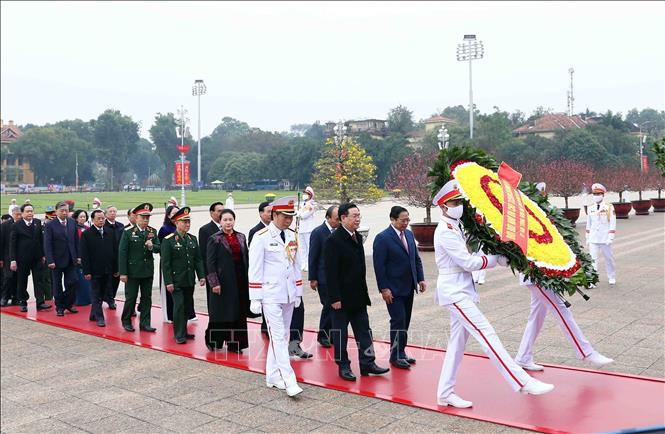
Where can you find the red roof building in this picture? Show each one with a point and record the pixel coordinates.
(546, 126)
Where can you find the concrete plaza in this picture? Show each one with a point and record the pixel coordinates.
(55, 380)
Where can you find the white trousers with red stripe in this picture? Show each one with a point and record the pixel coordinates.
(466, 319)
(542, 301)
(606, 249)
(278, 365)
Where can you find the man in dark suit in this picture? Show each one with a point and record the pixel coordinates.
(344, 259)
(317, 271)
(116, 228)
(62, 256)
(8, 282)
(399, 272)
(99, 259)
(26, 253)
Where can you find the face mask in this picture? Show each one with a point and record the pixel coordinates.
(305, 196)
(455, 212)
(598, 199)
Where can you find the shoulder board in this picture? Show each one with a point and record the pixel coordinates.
(192, 236)
(169, 236)
(129, 228)
(262, 231)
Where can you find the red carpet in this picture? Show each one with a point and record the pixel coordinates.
(583, 401)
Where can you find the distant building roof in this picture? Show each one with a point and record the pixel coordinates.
(437, 119)
(552, 122)
(10, 132)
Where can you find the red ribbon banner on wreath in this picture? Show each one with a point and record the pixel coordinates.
(515, 219)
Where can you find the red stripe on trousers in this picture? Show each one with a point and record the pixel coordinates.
(564, 321)
(489, 345)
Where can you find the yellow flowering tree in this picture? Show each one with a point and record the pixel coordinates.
(345, 172)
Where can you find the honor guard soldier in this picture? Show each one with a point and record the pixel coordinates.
(601, 225)
(136, 267)
(455, 290)
(181, 263)
(275, 287)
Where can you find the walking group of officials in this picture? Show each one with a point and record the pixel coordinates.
(261, 275)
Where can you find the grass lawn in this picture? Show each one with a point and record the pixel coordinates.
(125, 200)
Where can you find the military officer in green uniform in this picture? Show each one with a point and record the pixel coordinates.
(181, 263)
(135, 264)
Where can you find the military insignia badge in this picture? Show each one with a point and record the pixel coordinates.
(450, 226)
(291, 250)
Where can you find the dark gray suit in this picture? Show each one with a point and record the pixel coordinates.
(61, 247)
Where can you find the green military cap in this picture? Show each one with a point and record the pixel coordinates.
(182, 214)
(143, 209)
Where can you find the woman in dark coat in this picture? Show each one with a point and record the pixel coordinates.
(228, 300)
(167, 299)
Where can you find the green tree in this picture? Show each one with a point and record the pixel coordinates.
(400, 119)
(52, 153)
(165, 141)
(115, 139)
(385, 152)
(145, 162)
(459, 113)
(244, 167)
(345, 172)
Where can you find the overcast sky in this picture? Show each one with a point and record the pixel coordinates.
(277, 64)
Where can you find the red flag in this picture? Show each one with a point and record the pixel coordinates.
(510, 175)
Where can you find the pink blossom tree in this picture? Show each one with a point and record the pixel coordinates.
(566, 178)
(409, 175)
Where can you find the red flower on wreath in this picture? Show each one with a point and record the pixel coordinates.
(454, 165)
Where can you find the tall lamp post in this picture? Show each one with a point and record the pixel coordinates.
(469, 50)
(643, 139)
(181, 131)
(444, 137)
(198, 89)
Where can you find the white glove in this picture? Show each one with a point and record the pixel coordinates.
(502, 260)
(255, 307)
(298, 301)
(610, 241)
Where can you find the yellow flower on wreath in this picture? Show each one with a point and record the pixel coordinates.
(546, 247)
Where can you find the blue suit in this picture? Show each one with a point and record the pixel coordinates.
(317, 271)
(400, 271)
(61, 247)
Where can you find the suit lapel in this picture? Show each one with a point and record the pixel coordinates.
(393, 235)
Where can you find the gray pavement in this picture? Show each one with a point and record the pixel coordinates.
(105, 386)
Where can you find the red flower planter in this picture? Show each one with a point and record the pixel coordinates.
(658, 205)
(622, 209)
(641, 207)
(424, 234)
(571, 214)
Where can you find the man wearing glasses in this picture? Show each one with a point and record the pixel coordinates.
(399, 274)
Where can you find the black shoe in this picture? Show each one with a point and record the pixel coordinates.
(410, 360)
(373, 369)
(325, 343)
(101, 323)
(14, 302)
(347, 374)
(180, 341)
(4, 302)
(90, 318)
(295, 350)
(43, 306)
(24, 308)
(112, 306)
(148, 329)
(128, 327)
(72, 309)
(189, 336)
(59, 312)
(401, 364)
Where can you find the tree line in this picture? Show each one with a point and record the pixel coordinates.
(109, 149)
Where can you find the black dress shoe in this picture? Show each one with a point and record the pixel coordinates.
(101, 323)
(180, 341)
(189, 336)
(24, 308)
(347, 374)
(401, 364)
(92, 318)
(72, 309)
(60, 312)
(128, 327)
(112, 306)
(148, 329)
(410, 360)
(43, 306)
(14, 302)
(373, 369)
(325, 343)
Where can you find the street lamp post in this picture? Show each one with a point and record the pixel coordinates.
(199, 89)
(181, 131)
(470, 49)
(444, 137)
(643, 139)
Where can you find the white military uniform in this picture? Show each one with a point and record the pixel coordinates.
(542, 301)
(455, 290)
(275, 280)
(306, 226)
(600, 230)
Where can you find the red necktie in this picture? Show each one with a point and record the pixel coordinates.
(403, 238)
(64, 223)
